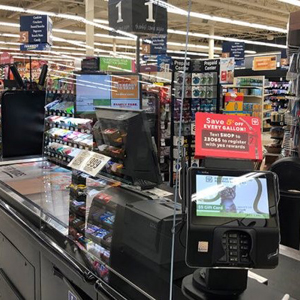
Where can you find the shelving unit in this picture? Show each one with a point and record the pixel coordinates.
(253, 88)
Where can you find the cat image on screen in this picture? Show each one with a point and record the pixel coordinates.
(227, 199)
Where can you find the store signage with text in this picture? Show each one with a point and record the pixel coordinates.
(236, 50)
(164, 63)
(264, 63)
(6, 59)
(178, 65)
(155, 45)
(125, 92)
(90, 64)
(117, 64)
(227, 70)
(89, 162)
(138, 16)
(35, 33)
(204, 66)
(228, 136)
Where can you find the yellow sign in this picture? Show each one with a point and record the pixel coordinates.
(264, 63)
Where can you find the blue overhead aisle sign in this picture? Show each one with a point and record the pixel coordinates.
(35, 33)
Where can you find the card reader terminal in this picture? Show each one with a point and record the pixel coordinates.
(232, 219)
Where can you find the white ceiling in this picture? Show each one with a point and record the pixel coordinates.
(266, 12)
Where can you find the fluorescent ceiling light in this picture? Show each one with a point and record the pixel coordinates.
(16, 25)
(222, 38)
(264, 54)
(113, 37)
(10, 35)
(101, 21)
(77, 32)
(292, 2)
(171, 9)
(179, 11)
(38, 58)
(66, 16)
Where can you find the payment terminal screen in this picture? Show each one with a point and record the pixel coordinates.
(232, 197)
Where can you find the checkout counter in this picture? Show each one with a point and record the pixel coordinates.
(132, 263)
(65, 236)
(124, 251)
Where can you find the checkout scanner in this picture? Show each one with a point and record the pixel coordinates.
(232, 226)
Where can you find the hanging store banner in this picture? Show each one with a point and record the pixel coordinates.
(117, 64)
(138, 16)
(227, 70)
(264, 63)
(228, 136)
(35, 33)
(155, 45)
(236, 50)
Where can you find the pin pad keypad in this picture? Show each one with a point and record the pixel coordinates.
(237, 247)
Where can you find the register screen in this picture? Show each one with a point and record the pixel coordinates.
(232, 197)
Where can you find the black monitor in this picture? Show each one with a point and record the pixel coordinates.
(23, 116)
(124, 135)
(232, 219)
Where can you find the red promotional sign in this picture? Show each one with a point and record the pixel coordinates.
(6, 59)
(228, 136)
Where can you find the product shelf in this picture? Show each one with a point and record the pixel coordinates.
(71, 144)
(59, 113)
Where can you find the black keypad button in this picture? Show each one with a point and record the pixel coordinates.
(245, 248)
(233, 235)
(236, 246)
(244, 242)
(233, 247)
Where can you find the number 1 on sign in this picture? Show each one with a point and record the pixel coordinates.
(119, 7)
(150, 12)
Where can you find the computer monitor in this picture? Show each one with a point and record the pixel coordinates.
(124, 135)
(232, 219)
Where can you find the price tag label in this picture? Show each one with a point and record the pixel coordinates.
(193, 129)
